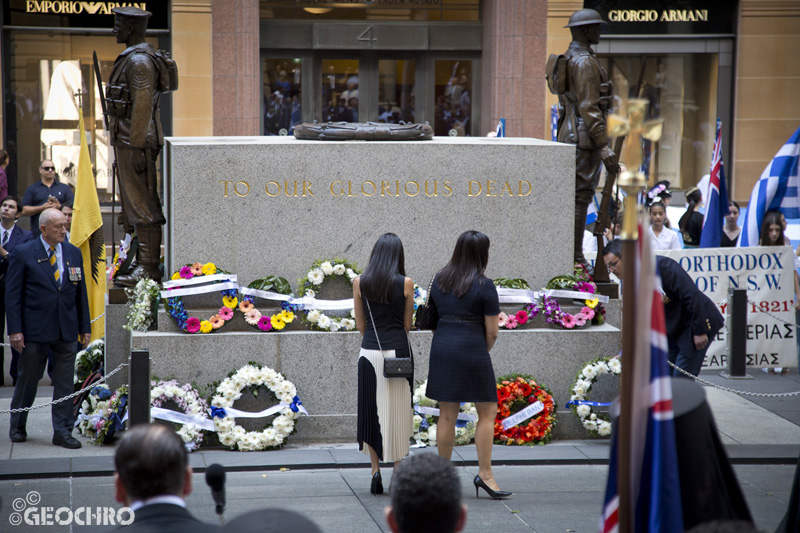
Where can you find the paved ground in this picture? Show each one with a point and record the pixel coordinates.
(557, 488)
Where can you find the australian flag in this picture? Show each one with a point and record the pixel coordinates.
(716, 199)
(777, 188)
(653, 459)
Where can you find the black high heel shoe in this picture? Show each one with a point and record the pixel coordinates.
(376, 487)
(494, 494)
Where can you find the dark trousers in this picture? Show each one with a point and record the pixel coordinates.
(32, 362)
(691, 363)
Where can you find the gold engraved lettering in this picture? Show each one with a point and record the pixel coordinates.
(385, 189)
(477, 184)
(307, 188)
(489, 187)
(276, 184)
(350, 190)
(435, 186)
(397, 188)
(286, 189)
(447, 187)
(225, 187)
(374, 188)
(528, 192)
(236, 189)
(341, 188)
(415, 185)
(506, 187)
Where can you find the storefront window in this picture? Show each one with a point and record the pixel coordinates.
(682, 89)
(396, 94)
(45, 75)
(375, 10)
(282, 95)
(339, 90)
(453, 96)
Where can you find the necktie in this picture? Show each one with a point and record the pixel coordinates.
(54, 264)
(5, 238)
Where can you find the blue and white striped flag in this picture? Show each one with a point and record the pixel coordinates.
(591, 212)
(554, 122)
(778, 188)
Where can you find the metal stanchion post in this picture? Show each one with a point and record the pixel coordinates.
(737, 335)
(139, 389)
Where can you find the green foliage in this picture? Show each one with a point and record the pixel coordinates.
(564, 282)
(272, 283)
(511, 283)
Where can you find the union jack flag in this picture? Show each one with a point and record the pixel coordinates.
(653, 458)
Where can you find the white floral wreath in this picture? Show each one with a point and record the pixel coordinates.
(230, 390)
(596, 424)
(319, 272)
(425, 424)
(189, 400)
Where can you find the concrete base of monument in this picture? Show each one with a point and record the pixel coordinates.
(323, 366)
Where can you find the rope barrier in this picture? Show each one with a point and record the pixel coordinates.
(727, 389)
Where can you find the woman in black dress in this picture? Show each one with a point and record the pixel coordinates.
(385, 294)
(460, 366)
(691, 223)
(731, 230)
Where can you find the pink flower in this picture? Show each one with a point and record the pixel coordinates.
(511, 323)
(225, 313)
(186, 273)
(502, 318)
(264, 323)
(580, 320)
(193, 324)
(522, 317)
(568, 321)
(588, 312)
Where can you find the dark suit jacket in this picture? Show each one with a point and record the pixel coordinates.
(688, 311)
(38, 307)
(167, 518)
(18, 236)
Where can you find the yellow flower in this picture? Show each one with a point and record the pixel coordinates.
(176, 275)
(287, 316)
(592, 303)
(230, 303)
(209, 269)
(277, 322)
(205, 326)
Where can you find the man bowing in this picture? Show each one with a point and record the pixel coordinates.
(47, 309)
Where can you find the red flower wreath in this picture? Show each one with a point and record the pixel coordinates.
(514, 393)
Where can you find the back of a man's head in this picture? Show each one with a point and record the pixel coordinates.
(426, 495)
(151, 461)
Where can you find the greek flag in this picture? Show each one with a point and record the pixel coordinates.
(776, 189)
(591, 212)
(554, 122)
(716, 199)
(653, 454)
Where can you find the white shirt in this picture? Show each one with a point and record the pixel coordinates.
(59, 255)
(3, 232)
(164, 498)
(590, 241)
(668, 240)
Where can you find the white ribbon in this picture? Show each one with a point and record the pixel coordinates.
(576, 295)
(235, 413)
(182, 418)
(313, 303)
(523, 415)
(433, 411)
(267, 295)
(197, 280)
(516, 296)
(217, 287)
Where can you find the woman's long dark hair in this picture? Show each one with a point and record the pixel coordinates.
(386, 260)
(694, 199)
(772, 217)
(469, 261)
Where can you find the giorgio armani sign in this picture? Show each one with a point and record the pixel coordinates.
(79, 13)
(648, 17)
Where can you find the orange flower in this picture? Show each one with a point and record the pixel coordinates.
(216, 322)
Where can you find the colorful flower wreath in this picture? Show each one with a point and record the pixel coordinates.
(142, 304)
(593, 311)
(425, 424)
(320, 270)
(189, 401)
(522, 316)
(89, 359)
(516, 392)
(599, 425)
(255, 318)
(121, 256)
(191, 324)
(231, 389)
(102, 413)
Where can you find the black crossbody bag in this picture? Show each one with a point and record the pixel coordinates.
(394, 367)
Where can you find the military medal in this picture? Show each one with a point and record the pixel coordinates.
(75, 274)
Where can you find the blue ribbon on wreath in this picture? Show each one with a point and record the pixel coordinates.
(586, 402)
(218, 412)
(294, 406)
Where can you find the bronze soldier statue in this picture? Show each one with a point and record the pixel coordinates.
(140, 75)
(584, 93)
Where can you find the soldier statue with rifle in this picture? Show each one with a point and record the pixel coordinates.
(584, 93)
(140, 75)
